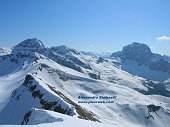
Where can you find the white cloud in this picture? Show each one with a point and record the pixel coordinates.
(163, 38)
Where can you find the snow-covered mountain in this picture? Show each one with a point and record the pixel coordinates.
(33, 45)
(63, 55)
(5, 51)
(42, 86)
(138, 59)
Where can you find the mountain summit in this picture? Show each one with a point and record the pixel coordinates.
(138, 52)
(32, 44)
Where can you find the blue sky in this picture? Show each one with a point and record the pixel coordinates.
(100, 25)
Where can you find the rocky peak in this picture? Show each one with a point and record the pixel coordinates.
(136, 52)
(136, 49)
(32, 44)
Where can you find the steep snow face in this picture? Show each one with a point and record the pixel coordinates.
(146, 62)
(32, 44)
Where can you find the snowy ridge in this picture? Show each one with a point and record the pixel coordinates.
(32, 94)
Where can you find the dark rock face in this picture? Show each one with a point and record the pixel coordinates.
(101, 59)
(136, 52)
(94, 76)
(26, 118)
(153, 108)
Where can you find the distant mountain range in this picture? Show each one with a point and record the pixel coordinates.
(98, 54)
(41, 86)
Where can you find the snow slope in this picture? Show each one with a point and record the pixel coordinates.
(46, 93)
(126, 101)
(44, 118)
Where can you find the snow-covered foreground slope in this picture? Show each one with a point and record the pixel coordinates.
(36, 90)
(44, 118)
(128, 108)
